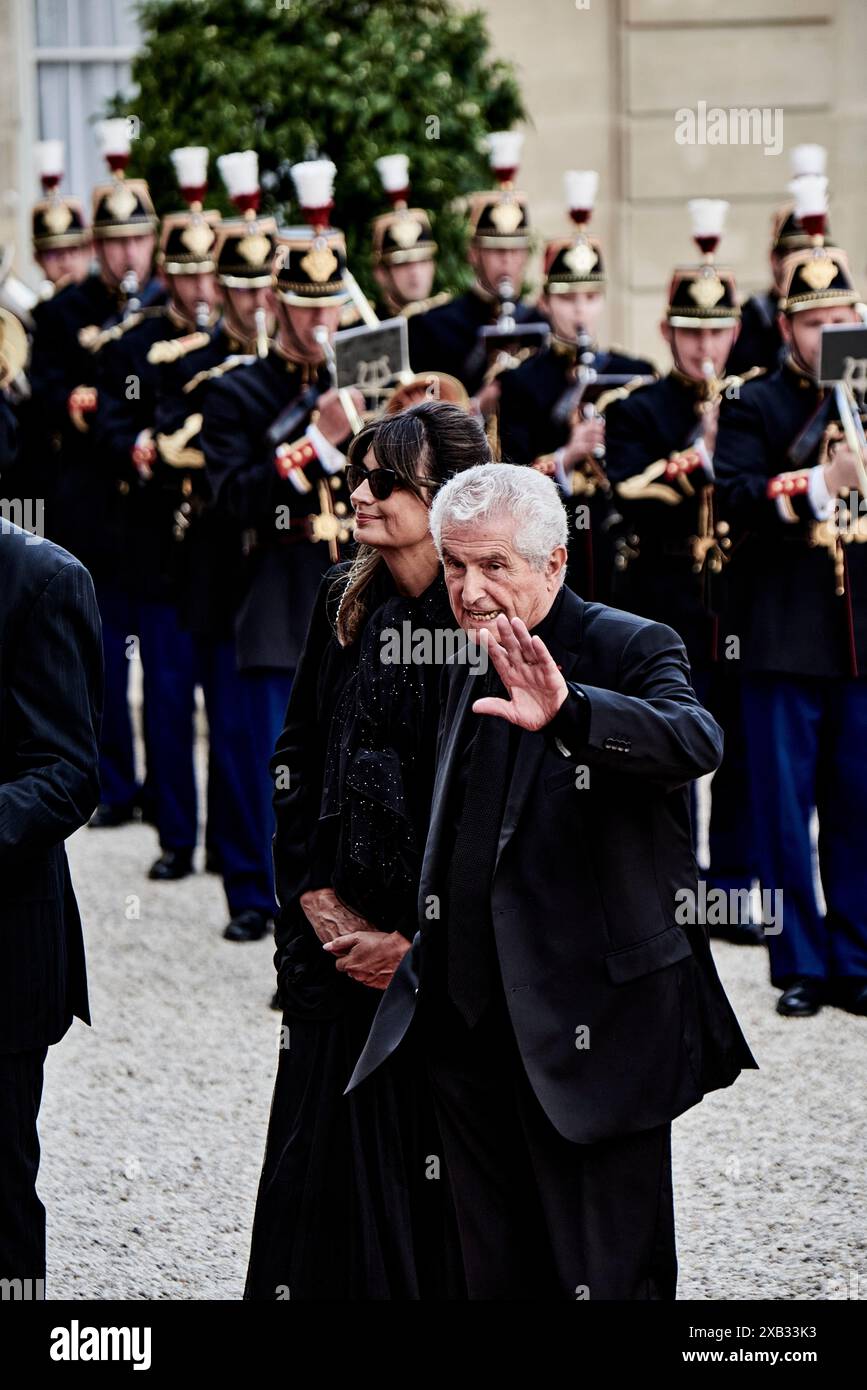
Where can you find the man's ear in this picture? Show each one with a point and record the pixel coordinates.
(784, 324)
(381, 276)
(557, 561)
(667, 332)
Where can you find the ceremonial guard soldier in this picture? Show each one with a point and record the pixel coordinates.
(85, 508)
(549, 412)
(61, 369)
(782, 467)
(62, 243)
(62, 248)
(760, 342)
(404, 250)
(660, 442)
(203, 565)
(271, 435)
(453, 338)
(130, 359)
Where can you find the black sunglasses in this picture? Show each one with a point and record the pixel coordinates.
(381, 481)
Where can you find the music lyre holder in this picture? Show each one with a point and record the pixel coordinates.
(372, 358)
(843, 367)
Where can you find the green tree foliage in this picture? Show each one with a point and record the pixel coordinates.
(347, 79)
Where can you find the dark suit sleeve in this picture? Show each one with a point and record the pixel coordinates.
(422, 351)
(630, 440)
(242, 476)
(54, 356)
(53, 698)
(125, 404)
(653, 725)
(516, 410)
(632, 443)
(744, 463)
(8, 437)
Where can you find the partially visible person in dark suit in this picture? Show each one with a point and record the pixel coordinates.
(348, 1206)
(50, 708)
(566, 1014)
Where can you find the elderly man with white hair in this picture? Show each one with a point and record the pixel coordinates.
(566, 1013)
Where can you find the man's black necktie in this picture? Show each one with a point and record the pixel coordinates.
(471, 950)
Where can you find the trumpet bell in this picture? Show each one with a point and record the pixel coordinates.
(427, 386)
(15, 296)
(13, 347)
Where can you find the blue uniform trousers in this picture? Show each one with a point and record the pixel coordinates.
(807, 743)
(118, 782)
(733, 860)
(266, 695)
(240, 820)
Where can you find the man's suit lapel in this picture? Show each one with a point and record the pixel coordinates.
(444, 775)
(564, 644)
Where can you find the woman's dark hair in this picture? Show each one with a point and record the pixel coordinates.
(433, 440)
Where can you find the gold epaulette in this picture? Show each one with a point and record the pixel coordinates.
(174, 448)
(619, 393)
(171, 349)
(213, 373)
(111, 335)
(421, 306)
(742, 378)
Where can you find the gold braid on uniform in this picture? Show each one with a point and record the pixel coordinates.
(174, 448)
(214, 373)
(173, 349)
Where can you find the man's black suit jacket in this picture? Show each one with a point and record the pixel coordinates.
(584, 901)
(50, 708)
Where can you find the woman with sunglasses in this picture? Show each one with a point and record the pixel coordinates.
(353, 1200)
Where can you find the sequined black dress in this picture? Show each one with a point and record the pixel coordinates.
(353, 1201)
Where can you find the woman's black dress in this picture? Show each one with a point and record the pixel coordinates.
(353, 1200)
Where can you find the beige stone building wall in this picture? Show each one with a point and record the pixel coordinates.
(10, 126)
(602, 84)
(603, 80)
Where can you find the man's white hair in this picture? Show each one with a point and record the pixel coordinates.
(489, 490)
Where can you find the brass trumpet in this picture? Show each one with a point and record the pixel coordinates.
(13, 348)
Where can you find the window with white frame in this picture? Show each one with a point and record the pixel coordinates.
(82, 51)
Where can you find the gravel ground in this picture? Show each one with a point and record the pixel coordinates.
(153, 1121)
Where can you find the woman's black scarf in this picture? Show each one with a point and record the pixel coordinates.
(380, 763)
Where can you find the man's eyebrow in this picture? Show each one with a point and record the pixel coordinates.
(498, 555)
